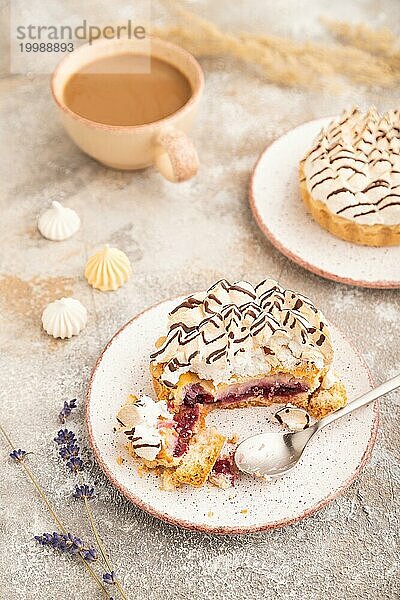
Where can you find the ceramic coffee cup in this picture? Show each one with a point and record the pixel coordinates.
(162, 143)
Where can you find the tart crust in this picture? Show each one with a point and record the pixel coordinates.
(348, 229)
(196, 465)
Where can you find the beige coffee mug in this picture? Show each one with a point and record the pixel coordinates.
(163, 143)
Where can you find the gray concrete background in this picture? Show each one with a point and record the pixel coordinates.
(179, 238)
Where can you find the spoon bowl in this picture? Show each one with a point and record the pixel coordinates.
(274, 454)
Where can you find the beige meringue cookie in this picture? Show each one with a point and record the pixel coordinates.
(58, 222)
(108, 269)
(64, 318)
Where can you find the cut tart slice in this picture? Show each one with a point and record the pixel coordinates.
(177, 445)
(198, 460)
(236, 345)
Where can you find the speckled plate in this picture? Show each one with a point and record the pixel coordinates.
(332, 461)
(281, 215)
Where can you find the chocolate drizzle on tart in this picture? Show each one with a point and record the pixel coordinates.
(243, 330)
(137, 440)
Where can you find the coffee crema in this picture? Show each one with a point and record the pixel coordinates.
(112, 92)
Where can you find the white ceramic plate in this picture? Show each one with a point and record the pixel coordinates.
(330, 464)
(281, 215)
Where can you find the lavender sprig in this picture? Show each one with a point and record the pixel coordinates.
(90, 554)
(75, 464)
(68, 543)
(65, 437)
(69, 451)
(66, 410)
(83, 491)
(109, 578)
(19, 456)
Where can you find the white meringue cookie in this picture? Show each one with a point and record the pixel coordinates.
(64, 318)
(58, 223)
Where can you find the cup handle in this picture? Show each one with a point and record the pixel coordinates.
(175, 156)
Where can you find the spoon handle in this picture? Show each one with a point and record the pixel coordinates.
(363, 400)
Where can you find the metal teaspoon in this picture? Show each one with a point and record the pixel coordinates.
(274, 454)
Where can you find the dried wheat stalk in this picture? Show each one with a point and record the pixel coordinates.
(367, 56)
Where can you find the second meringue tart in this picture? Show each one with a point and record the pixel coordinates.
(350, 178)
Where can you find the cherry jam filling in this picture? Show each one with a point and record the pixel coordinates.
(195, 394)
(186, 420)
(226, 466)
(267, 390)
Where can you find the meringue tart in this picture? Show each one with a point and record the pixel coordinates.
(232, 346)
(237, 345)
(350, 178)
